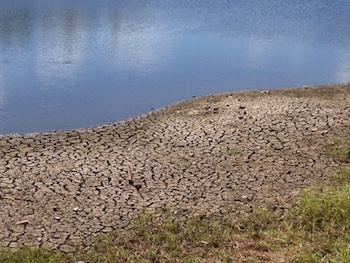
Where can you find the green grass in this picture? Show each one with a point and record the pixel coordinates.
(319, 225)
(315, 229)
(161, 238)
(34, 255)
(339, 150)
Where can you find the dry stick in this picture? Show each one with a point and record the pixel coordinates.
(8, 197)
(22, 222)
(130, 180)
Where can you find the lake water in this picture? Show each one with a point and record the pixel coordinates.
(78, 63)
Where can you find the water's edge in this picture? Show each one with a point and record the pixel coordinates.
(169, 109)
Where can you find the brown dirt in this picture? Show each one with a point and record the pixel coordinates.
(211, 154)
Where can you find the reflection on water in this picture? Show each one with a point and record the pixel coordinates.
(68, 64)
(2, 94)
(344, 67)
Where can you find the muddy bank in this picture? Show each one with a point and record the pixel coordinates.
(209, 154)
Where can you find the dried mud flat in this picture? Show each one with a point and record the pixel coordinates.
(211, 154)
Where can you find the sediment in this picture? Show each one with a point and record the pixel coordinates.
(213, 154)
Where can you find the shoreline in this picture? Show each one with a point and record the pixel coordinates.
(214, 154)
(185, 103)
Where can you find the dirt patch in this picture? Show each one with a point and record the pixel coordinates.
(211, 154)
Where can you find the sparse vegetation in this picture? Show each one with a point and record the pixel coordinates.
(339, 150)
(34, 255)
(316, 229)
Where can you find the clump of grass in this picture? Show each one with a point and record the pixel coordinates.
(317, 242)
(329, 212)
(261, 219)
(320, 226)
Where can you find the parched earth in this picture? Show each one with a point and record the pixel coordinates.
(211, 154)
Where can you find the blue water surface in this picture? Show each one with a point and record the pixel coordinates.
(68, 64)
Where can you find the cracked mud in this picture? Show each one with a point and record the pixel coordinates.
(211, 154)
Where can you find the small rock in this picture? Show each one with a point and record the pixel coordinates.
(193, 112)
(278, 147)
(75, 209)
